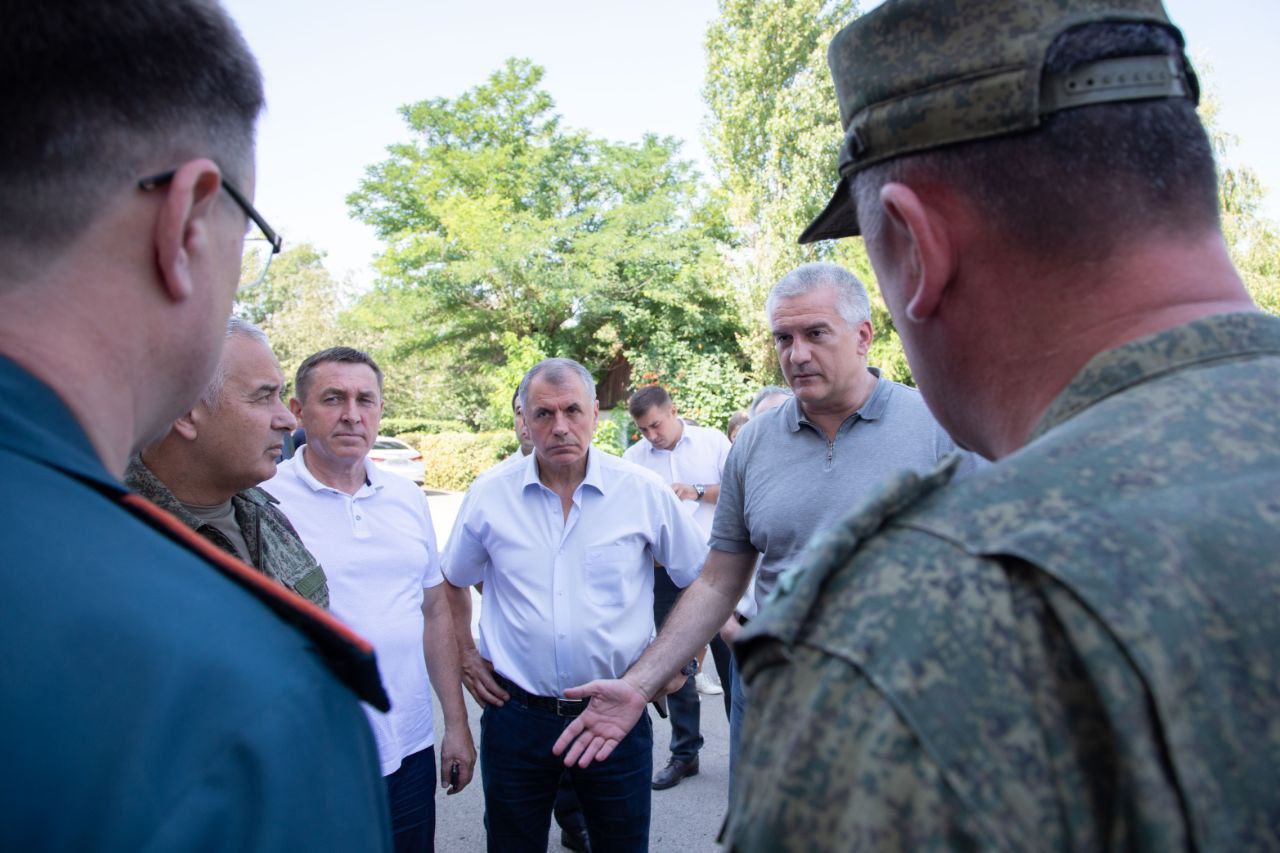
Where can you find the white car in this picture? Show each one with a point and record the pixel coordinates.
(396, 457)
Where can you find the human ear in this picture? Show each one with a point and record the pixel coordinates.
(186, 425)
(182, 228)
(921, 231)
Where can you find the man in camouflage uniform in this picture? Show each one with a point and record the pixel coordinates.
(1075, 648)
(207, 467)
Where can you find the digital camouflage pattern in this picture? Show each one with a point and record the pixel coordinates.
(1076, 648)
(276, 549)
(915, 75)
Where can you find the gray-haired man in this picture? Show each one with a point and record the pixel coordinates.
(207, 468)
(564, 542)
(793, 471)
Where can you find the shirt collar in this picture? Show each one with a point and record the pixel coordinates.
(1218, 338)
(594, 476)
(373, 479)
(871, 409)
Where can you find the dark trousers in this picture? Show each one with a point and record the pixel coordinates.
(683, 705)
(568, 810)
(411, 793)
(520, 776)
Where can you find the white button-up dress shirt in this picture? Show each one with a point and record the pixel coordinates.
(698, 458)
(569, 600)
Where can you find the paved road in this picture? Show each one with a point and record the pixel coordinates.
(686, 818)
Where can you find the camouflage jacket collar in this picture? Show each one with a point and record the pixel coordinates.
(139, 477)
(149, 486)
(1217, 338)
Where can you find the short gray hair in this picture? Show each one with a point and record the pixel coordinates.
(237, 327)
(764, 394)
(557, 372)
(851, 296)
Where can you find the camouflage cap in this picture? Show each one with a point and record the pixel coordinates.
(913, 75)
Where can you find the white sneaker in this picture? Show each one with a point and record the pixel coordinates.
(706, 685)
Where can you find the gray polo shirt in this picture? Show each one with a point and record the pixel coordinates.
(784, 481)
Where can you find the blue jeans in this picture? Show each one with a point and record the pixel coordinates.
(684, 706)
(520, 776)
(739, 703)
(411, 793)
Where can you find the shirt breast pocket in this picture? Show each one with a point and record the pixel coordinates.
(608, 575)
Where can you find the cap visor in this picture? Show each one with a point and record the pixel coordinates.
(839, 219)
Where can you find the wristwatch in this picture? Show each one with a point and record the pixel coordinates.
(700, 489)
(691, 668)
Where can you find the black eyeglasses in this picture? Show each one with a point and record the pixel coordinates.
(273, 240)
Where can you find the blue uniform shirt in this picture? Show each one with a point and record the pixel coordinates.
(147, 701)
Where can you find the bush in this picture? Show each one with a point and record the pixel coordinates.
(611, 432)
(399, 426)
(454, 459)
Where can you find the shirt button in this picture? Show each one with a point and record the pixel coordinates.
(359, 518)
(562, 636)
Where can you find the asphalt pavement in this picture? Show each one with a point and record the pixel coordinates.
(686, 818)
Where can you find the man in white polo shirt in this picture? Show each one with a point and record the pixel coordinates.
(372, 532)
(689, 458)
(564, 543)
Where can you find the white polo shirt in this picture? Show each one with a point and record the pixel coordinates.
(697, 458)
(569, 600)
(378, 551)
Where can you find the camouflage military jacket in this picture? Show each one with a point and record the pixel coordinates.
(1077, 648)
(274, 545)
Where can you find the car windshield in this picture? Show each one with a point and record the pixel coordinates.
(389, 444)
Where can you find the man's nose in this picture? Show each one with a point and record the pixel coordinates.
(799, 353)
(283, 419)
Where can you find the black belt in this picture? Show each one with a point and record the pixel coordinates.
(554, 704)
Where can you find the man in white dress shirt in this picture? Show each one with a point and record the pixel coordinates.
(564, 543)
(372, 533)
(689, 458)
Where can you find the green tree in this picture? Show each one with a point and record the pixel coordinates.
(296, 305)
(773, 138)
(508, 233)
(1252, 239)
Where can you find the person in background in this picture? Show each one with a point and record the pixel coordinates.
(689, 459)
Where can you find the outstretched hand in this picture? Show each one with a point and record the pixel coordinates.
(615, 707)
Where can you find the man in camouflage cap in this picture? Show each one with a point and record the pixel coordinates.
(1076, 648)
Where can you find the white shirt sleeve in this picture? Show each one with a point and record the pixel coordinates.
(431, 575)
(678, 542)
(465, 556)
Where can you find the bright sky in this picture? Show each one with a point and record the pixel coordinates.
(337, 72)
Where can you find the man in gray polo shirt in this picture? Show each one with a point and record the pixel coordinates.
(792, 473)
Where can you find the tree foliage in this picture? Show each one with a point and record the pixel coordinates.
(296, 305)
(1252, 239)
(509, 234)
(773, 137)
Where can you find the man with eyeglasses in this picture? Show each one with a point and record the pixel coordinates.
(157, 692)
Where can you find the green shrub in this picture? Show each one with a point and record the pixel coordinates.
(611, 432)
(454, 459)
(400, 426)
